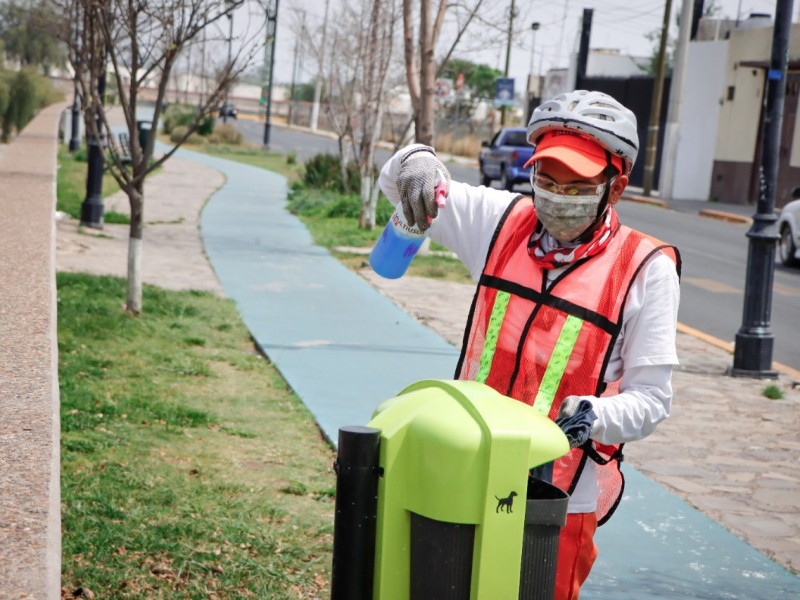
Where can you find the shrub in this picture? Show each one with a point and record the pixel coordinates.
(22, 104)
(228, 134)
(178, 115)
(81, 154)
(773, 392)
(177, 133)
(206, 126)
(22, 94)
(323, 171)
(196, 138)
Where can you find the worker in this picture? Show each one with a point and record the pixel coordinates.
(574, 313)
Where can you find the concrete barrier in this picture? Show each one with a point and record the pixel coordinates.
(30, 515)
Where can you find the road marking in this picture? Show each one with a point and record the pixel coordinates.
(785, 290)
(711, 285)
(729, 347)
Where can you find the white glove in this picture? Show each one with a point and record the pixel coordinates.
(416, 183)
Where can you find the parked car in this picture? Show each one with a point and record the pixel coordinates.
(228, 110)
(789, 229)
(504, 158)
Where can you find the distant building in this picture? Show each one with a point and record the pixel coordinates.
(719, 145)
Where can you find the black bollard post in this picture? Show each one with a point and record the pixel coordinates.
(357, 472)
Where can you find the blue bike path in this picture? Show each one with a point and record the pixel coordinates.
(344, 348)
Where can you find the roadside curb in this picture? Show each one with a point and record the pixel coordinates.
(703, 212)
(645, 200)
(729, 348)
(725, 216)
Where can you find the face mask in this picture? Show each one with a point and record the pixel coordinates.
(565, 217)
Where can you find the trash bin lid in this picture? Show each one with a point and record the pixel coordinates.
(455, 442)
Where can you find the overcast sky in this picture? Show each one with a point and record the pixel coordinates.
(617, 24)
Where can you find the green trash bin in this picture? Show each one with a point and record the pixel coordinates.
(454, 492)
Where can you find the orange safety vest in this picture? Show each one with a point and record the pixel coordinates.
(539, 345)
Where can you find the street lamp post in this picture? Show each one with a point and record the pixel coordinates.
(752, 355)
(534, 28)
(272, 25)
(92, 207)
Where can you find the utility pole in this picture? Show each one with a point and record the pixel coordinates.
(299, 45)
(672, 134)
(230, 4)
(583, 48)
(655, 107)
(529, 89)
(272, 26)
(511, 15)
(320, 72)
(752, 356)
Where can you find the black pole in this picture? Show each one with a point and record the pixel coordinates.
(752, 355)
(272, 28)
(357, 473)
(655, 106)
(583, 49)
(92, 206)
(75, 138)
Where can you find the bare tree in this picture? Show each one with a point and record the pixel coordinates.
(419, 46)
(139, 43)
(357, 89)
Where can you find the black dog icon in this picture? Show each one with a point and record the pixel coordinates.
(506, 502)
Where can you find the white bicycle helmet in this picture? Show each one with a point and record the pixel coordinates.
(595, 114)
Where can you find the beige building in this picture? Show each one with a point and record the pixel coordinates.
(724, 104)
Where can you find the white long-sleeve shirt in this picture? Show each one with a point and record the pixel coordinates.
(644, 353)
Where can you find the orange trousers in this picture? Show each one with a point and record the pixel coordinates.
(576, 554)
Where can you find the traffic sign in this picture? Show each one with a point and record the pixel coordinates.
(504, 91)
(443, 88)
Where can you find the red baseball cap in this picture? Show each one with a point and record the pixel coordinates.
(577, 152)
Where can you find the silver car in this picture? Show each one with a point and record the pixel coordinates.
(789, 228)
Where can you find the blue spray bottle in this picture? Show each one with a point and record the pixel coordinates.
(400, 241)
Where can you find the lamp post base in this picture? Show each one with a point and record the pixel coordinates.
(752, 356)
(92, 210)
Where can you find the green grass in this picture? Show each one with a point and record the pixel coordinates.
(773, 392)
(71, 183)
(188, 466)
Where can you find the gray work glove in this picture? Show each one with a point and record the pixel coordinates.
(416, 182)
(575, 418)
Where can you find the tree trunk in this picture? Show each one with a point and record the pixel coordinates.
(427, 73)
(136, 198)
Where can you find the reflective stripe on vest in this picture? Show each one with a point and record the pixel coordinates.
(557, 365)
(492, 333)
